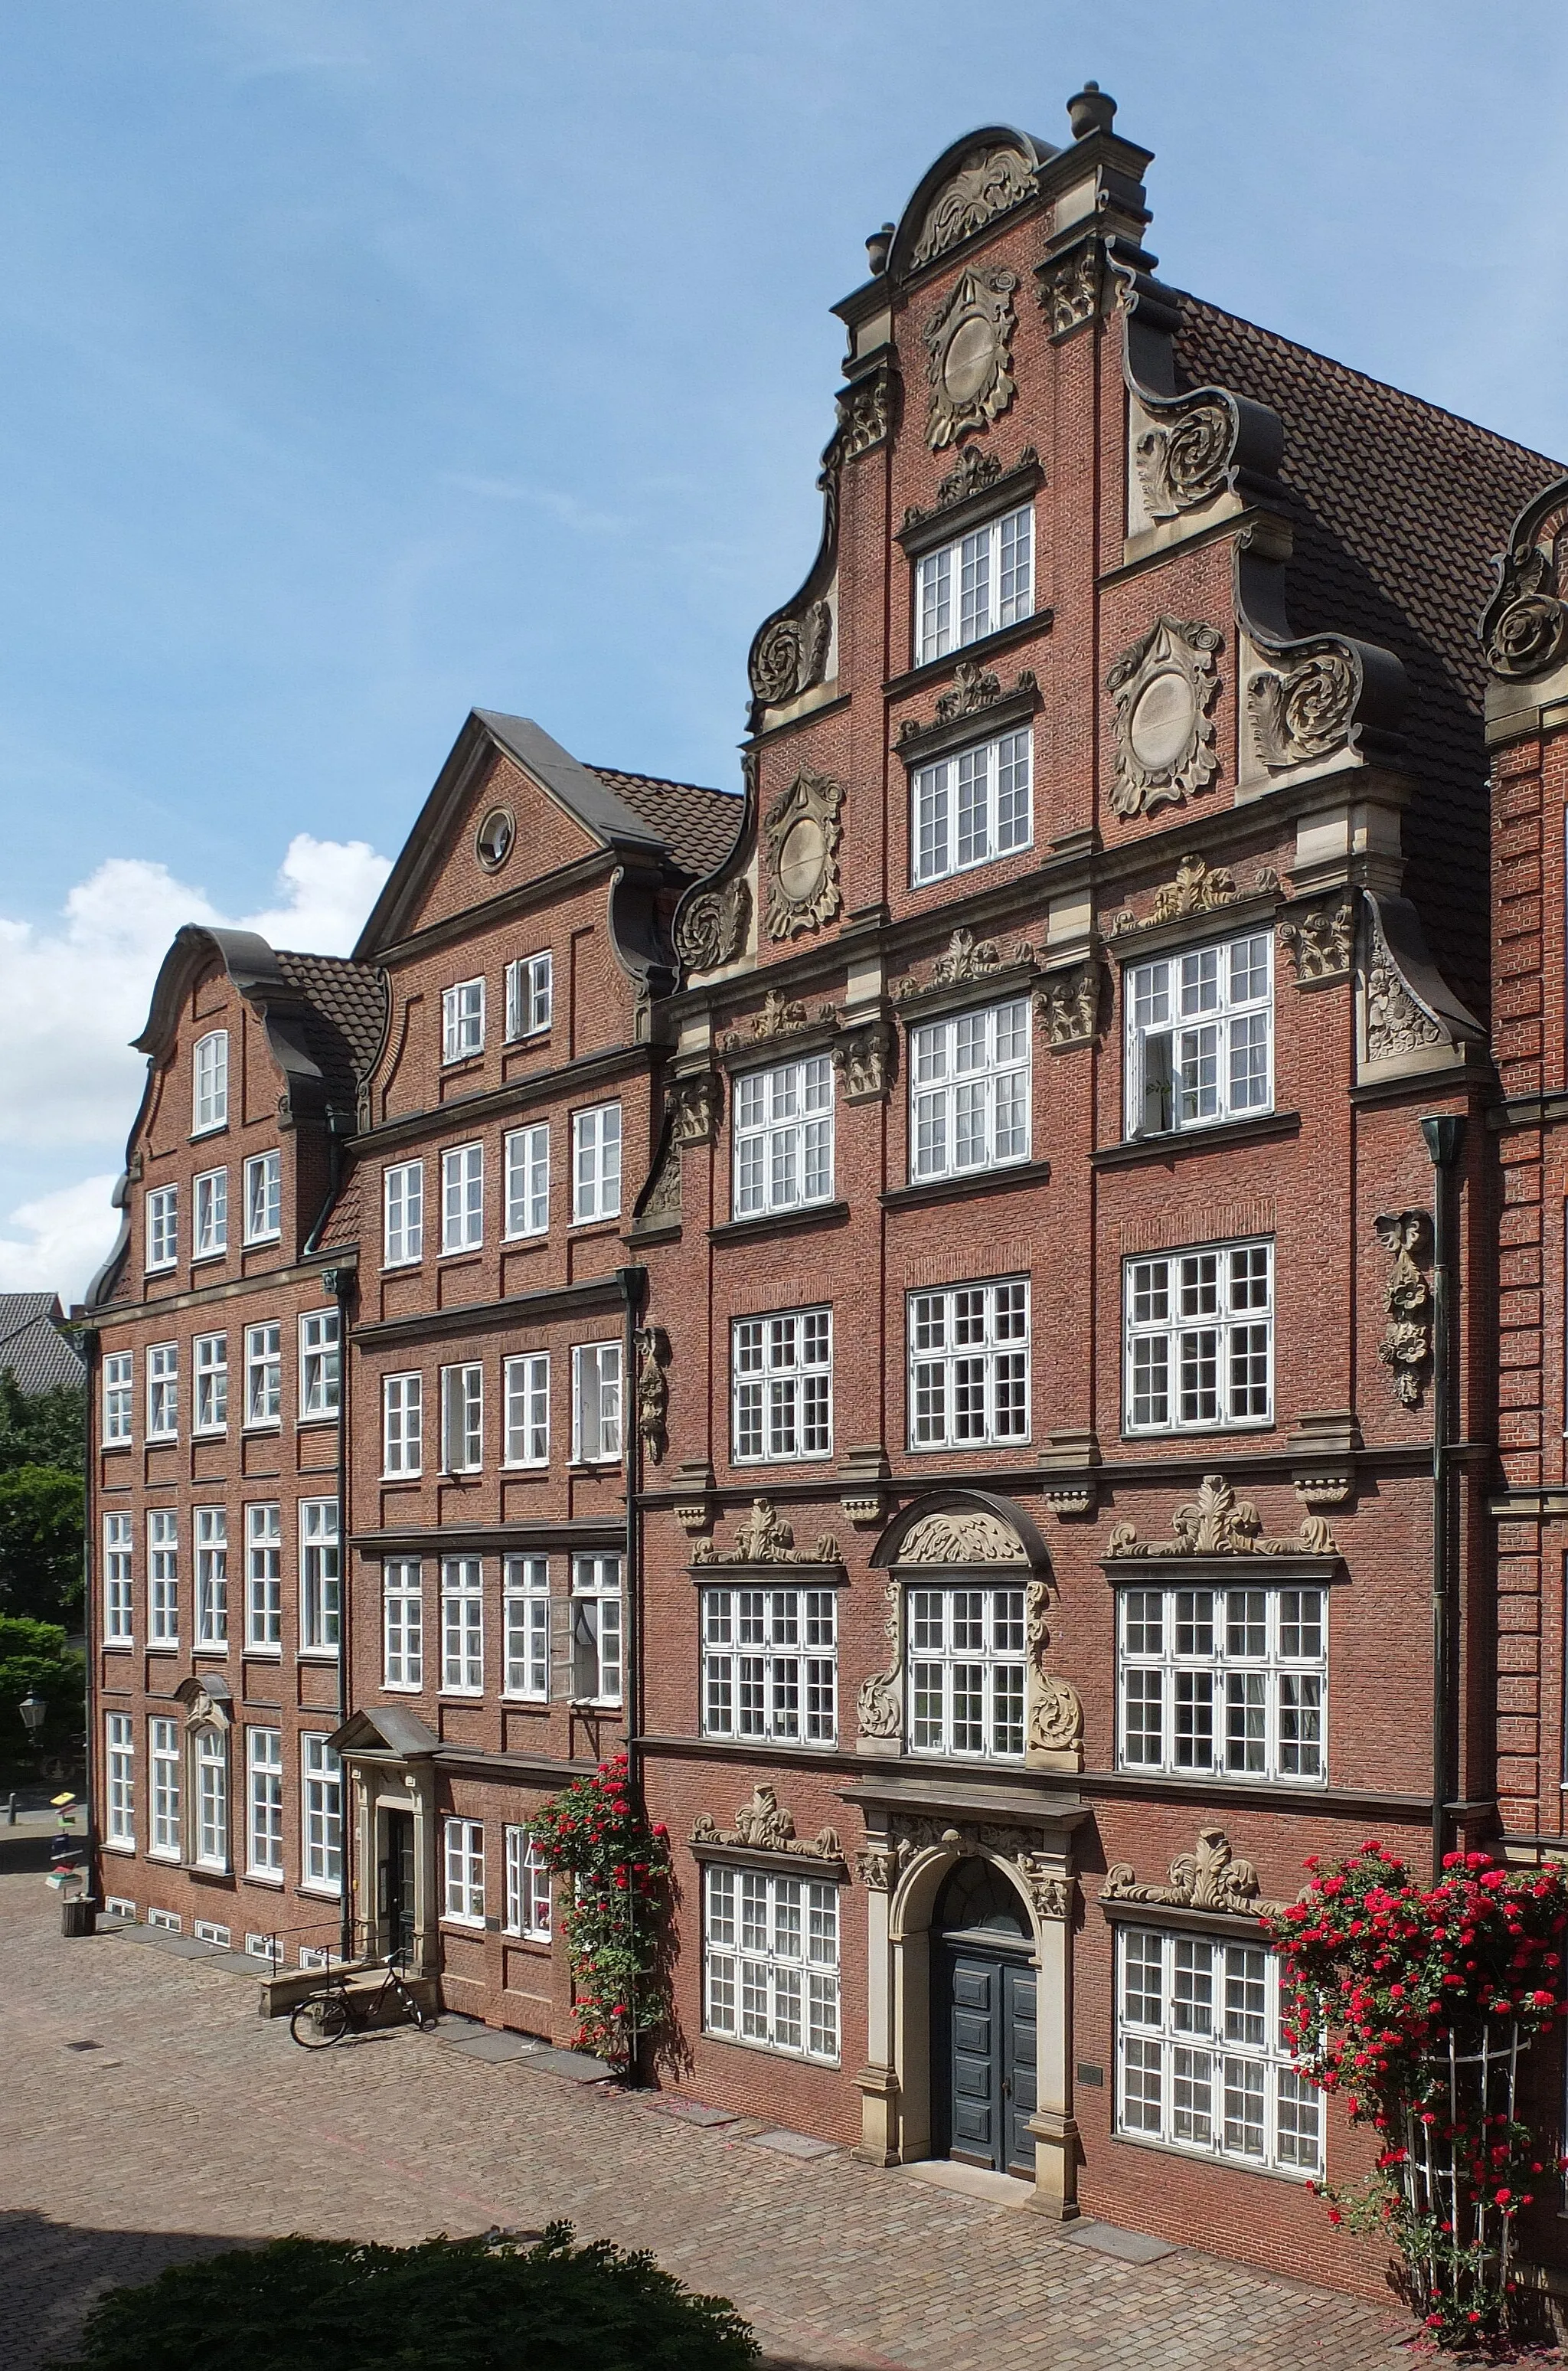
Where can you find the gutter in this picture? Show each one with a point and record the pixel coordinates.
(633, 1283)
(340, 1282)
(1445, 1137)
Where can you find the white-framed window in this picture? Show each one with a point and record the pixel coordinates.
(528, 1152)
(1232, 1681)
(770, 1961)
(966, 1672)
(528, 995)
(528, 1888)
(209, 1083)
(118, 1905)
(402, 1424)
(163, 1227)
(264, 1197)
(402, 1623)
(119, 1388)
(974, 585)
(596, 1402)
(209, 1360)
(969, 1364)
(163, 1391)
(596, 1164)
(264, 1758)
(211, 1753)
(402, 1209)
(120, 1781)
(264, 1946)
(462, 1020)
(770, 1664)
(462, 1626)
(207, 1930)
(462, 1198)
(264, 1578)
(462, 1419)
(528, 1389)
(1199, 1339)
(320, 1576)
(163, 1763)
(1200, 1036)
(969, 1092)
(465, 1859)
(212, 1215)
(783, 1124)
(972, 807)
(119, 1616)
(263, 1376)
(168, 1920)
(781, 1385)
(320, 1385)
(322, 1809)
(595, 1629)
(1200, 2062)
(162, 1577)
(210, 1525)
(525, 1613)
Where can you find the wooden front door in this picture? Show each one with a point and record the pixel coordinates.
(398, 1885)
(983, 2042)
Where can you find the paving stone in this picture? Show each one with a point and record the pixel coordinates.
(690, 2111)
(497, 2047)
(795, 2144)
(574, 2064)
(1109, 2239)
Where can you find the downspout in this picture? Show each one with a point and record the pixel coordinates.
(90, 1611)
(1445, 1137)
(340, 1282)
(633, 1284)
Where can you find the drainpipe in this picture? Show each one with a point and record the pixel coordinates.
(1445, 1137)
(340, 1283)
(91, 1347)
(633, 1285)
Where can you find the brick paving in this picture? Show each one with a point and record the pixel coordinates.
(195, 2124)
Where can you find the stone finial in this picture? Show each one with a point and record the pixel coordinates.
(1090, 110)
(877, 247)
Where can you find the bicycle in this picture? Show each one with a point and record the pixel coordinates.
(325, 2016)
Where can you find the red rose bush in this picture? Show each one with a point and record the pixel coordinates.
(596, 1834)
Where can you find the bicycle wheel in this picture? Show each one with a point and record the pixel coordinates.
(318, 2022)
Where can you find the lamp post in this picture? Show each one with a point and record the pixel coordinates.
(32, 1708)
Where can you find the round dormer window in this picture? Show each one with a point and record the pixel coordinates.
(494, 840)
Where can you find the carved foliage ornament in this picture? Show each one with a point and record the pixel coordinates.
(969, 355)
(789, 654)
(1163, 688)
(781, 1016)
(1219, 1523)
(653, 1390)
(711, 926)
(1183, 462)
(801, 837)
(962, 1535)
(1526, 625)
(1320, 942)
(881, 1864)
(694, 1107)
(1406, 1346)
(1070, 287)
(863, 1059)
(1210, 1878)
(1305, 713)
(764, 1825)
(1396, 1024)
(1055, 1710)
(865, 417)
(1068, 1003)
(992, 185)
(879, 1704)
(765, 1538)
(967, 958)
(1199, 888)
(662, 1204)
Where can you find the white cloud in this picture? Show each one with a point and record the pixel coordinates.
(55, 1243)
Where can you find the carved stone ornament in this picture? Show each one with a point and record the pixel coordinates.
(765, 1538)
(1055, 1710)
(711, 927)
(1199, 888)
(967, 958)
(1217, 1523)
(992, 185)
(962, 1535)
(1320, 942)
(695, 1105)
(663, 1203)
(1525, 626)
(1183, 462)
(764, 1825)
(1163, 688)
(1303, 713)
(791, 653)
(974, 472)
(881, 1863)
(863, 1059)
(1396, 1024)
(801, 838)
(879, 1702)
(865, 416)
(653, 1390)
(968, 357)
(1070, 287)
(1068, 1003)
(781, 1016)
(1406, 1346)
(1210, 1878)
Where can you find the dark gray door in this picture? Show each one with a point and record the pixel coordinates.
(397, 1884)
(986, 2037)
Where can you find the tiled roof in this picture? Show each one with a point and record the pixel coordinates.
(697, 825)
(1398, 508)
(343, 1225)
(31, 1345)
(349, 1002)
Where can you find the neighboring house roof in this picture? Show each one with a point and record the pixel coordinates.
(32, 1345)
(350, 1001)
(697, 825)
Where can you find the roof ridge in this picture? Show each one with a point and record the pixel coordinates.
(667, 781)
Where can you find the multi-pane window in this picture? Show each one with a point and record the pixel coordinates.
(212, 1215)
(462, 1198)
(264, 1755)
(209, 1083)
(782, 1382)
(770, 1664)
(402, 1610)
(1200, 1032)
(1230, 1680)
(462, 1626)
(118, 1617)
(969, 1364)
(596, 1629)
(210, 1525)
(465, 1859)
(402, 1424)
(1199, 1339)
(525, 1615)
(972, 807)
(770, 1961)
(528, 1888)
(119, 1780)
(163, 1227)
(966, 1672)
(596, 1163)
(320, 1576)
(527, 1395)
(462, 1021)
(163, 1391)
(322, 1809)
(1200, 2061)
(462, 1419)
(527, 1164)
(402, 1205)
(784, 1136)
(319, 1363)
(264, 1576)
(119, 1385)
(263, 1374)
(974, 585)
(211, 1755)
(969, 1092)
(163, 1768)
(596, 1402)
(162, 1577)
(527, 995)
(209, 1359)
(264, 1197)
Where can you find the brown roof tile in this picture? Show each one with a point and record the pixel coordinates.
(697, 825)
(349, 1002)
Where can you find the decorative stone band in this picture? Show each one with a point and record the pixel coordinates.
(1217, 1523)
(765, 1538)
(882, 1862)
(1208, 1877)
(764, 1825)
(1524, 626)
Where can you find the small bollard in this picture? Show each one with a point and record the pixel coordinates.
(11, 1809)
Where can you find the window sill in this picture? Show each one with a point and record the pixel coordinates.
(452, 1066)
(1248, 1427)
(779, 1222)
(772, 2049)
(265, 1654)
(320, 1890)
(452, 1924)
(410, 1474)
(273, 1878)
(402, 1687)
(401, 1267)
(212, 1648)
(323, 1655)
(162, 1646)
(262, 1242)
(517, 1471)
(1221, 2161)
(540, 1943)
(594, 1704)
(458, 1252)
(116, 1448)
(124, 1845)
(208, 1432)
(599, 1218)
(254, 1431)
(326, 1415)
(540, 1235)
(599, 1466)
(205, 1135)
(165, 1859)
(164, 1268)
(209, 1259)
(460, 1695)
(525, 1703)
(952, 1189)
(1262, 1127)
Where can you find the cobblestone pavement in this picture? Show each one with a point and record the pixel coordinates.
(194, 2124)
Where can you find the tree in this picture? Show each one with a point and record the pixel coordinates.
(41, 1499)
(41, 1428)
(33, 1655)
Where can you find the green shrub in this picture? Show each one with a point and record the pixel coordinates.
(34, 1655)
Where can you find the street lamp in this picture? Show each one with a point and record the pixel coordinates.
(32, 1708)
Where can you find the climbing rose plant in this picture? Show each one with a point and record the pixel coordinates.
(1412, 2005)
(595, 1833)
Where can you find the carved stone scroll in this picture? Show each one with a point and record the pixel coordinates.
(1068, 1005)
(1210, 1878)
(1217, 1523)
(1055, 1709)
(1304, 713)
(882, 1862)
(995, 183)
(1183, 461)
(764, 1825)
(1406, 1346)
(791, 653)
(766, 1538)
(969, 356)
(800, 838)
(1163, 687)
(1524, 628)
(712, 926)
(1320, 942)
(865, 416)
(879, 1701)
(781, 1016)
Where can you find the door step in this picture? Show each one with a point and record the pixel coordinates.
(972, 2182)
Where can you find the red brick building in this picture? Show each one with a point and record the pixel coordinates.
(1044, 1171)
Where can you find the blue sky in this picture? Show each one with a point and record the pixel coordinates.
(367, 359)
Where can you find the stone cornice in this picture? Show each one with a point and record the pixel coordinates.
(593, 1293)
(201, 1296)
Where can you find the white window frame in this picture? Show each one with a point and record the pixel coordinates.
(462, 1021)
(525, 1627)
(119, 1782)
(210, 1797)
(210, 1236)
(162, 1577)
(969, 1364)
(783, 1138)
(462, 1625)
(770, 1664)
(263, 1377)
(462, 1200)
(530, 996)
(1199, 1036)
(209, 1527)
(165, 1836)
(1198, 1333)
(163, 1391)
(163, 1229)
(402, 1214)
(118, 1581)
(598, 1638)
(528, 1888)
(320, 1578)
(782, 1387)
(972, 806)
(595, 1403)
(525, 1383)
(463, 1418)
(402, 1426)
(321, 1365)
(402, 1624)
(967, 1665)
(526, 1181)
(463, 1873)
(119, 1396)
(971, 1089)
(990, 570)
(264, 1803)
(321, 1815)
(264, 1578)
(264, 1197)
(209, 1384)
(209, 1083)
(770, 1954)
(595, 1165)
(207, 1930)
(1228, 1680)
